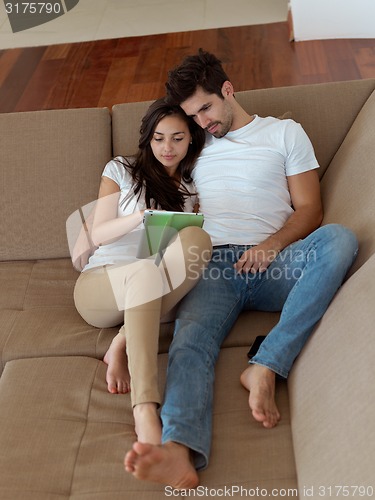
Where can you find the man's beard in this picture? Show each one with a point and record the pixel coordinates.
(222, 130)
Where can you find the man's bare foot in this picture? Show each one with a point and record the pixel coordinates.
(260, 381)
(147, 423)
(167, 464)
(118, 377)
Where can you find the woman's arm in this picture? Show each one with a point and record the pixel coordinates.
(107, 226)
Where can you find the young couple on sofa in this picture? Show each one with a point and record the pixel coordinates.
(258, 189)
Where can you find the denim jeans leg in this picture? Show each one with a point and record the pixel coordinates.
(306, 275)
(203, 320)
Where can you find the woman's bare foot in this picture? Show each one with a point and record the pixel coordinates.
(260, 381)
(118, 377)
(147, 423)
(167, 464)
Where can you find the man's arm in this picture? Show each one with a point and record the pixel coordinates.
(308, 214)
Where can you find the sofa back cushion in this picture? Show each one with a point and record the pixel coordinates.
(51, 163)
(326, 111)
(126, 122)
(348, 186)
(331, 393)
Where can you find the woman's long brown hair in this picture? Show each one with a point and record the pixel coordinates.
(161, 191)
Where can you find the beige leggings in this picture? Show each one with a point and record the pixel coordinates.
(138, 295)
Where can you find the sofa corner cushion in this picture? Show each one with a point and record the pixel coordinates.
(331, 397)
(348, 185)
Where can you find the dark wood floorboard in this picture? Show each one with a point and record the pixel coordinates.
(107, 72)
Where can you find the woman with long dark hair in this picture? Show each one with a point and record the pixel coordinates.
(117, 288)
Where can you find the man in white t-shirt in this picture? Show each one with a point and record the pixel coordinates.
(259, 191)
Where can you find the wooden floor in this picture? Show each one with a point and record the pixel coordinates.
(103, 73)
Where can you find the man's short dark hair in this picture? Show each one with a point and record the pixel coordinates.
(201, 70)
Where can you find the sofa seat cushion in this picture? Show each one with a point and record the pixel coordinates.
(61, 432)
(62, 435)
(37, 313)
(260, 458)
(38, 316)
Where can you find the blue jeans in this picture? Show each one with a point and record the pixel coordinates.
(300, 282)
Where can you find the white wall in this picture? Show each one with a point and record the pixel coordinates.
(322, 19)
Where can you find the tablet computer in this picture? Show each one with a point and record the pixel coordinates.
(159, 228)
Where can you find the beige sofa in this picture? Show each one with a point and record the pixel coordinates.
(63, 436)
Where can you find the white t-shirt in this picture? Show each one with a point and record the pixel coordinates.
(124, 250)
(241, 179)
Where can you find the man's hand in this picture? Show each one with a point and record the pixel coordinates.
(256, 259)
